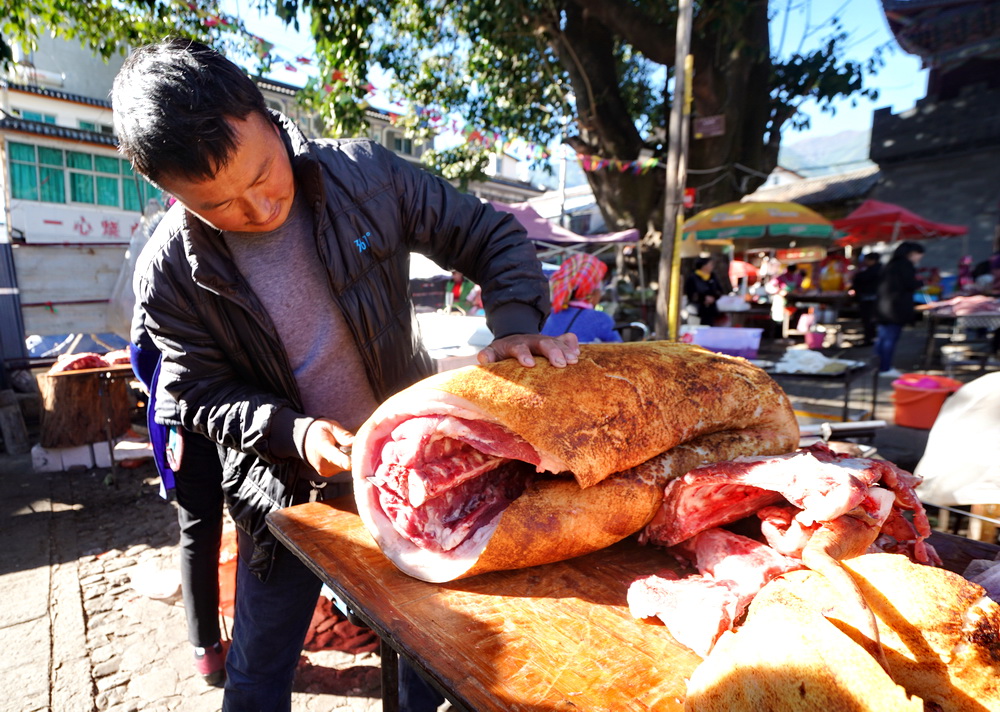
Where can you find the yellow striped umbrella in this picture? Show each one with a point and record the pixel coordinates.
(739, 221)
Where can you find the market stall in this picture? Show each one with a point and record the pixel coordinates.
(875, 221)
(767, 237)
(949, 321)
(520, 534)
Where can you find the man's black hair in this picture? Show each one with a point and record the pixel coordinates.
(172, 104)
(701, 262)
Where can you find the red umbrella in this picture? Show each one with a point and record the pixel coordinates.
(875, 221)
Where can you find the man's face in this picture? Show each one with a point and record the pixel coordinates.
(253, 192)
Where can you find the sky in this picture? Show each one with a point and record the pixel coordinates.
(901, 82)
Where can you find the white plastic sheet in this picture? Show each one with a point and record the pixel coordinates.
(961, 464)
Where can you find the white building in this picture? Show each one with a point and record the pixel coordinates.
(70, 204)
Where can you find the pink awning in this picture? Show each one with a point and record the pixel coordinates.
(541, 230)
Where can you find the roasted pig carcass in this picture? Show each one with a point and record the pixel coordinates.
(501, 466)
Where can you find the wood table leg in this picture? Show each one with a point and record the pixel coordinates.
(390, 677)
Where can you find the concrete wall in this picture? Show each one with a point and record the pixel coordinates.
(961, 190)
(83, 73)
(941, 159)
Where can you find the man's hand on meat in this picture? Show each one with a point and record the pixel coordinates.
(327, 446)
(559, 350)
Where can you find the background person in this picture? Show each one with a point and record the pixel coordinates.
(895, 309)
(703, 290)
(277, 294)
(865, 285)
(779, 288)
(576, 290)
(190, 463)
(190, 474)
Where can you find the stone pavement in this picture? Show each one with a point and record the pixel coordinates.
(84, 565)
(82, 558)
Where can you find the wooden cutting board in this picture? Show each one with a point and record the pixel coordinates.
(554, 637)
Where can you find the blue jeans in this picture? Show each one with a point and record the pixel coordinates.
(885, 344)
(415, 695)
(270, 626)
(269, 629)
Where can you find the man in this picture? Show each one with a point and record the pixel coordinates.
(278, 297)
(865, 285)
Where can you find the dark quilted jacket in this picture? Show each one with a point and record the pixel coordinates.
(224, 368)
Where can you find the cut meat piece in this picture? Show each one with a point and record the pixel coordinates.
(118, 357)
(749, 564)
(425, 456)
(444, 522)
(696, 610)
(819, 483)
(941, 636)
(78, 362)
(629, 415)
(790, 657)
(782, 531)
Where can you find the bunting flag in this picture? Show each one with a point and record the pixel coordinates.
(496, 141)
(638, 167)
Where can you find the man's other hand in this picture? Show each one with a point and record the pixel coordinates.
(559, 350)
(322, 446)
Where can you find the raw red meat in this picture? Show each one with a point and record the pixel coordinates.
(816, 508)
(816, 480)
(698, 609)
(746, 562)
(439, 477)
(77, 362)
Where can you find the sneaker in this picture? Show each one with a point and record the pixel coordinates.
(891, 373)
(211, 664)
